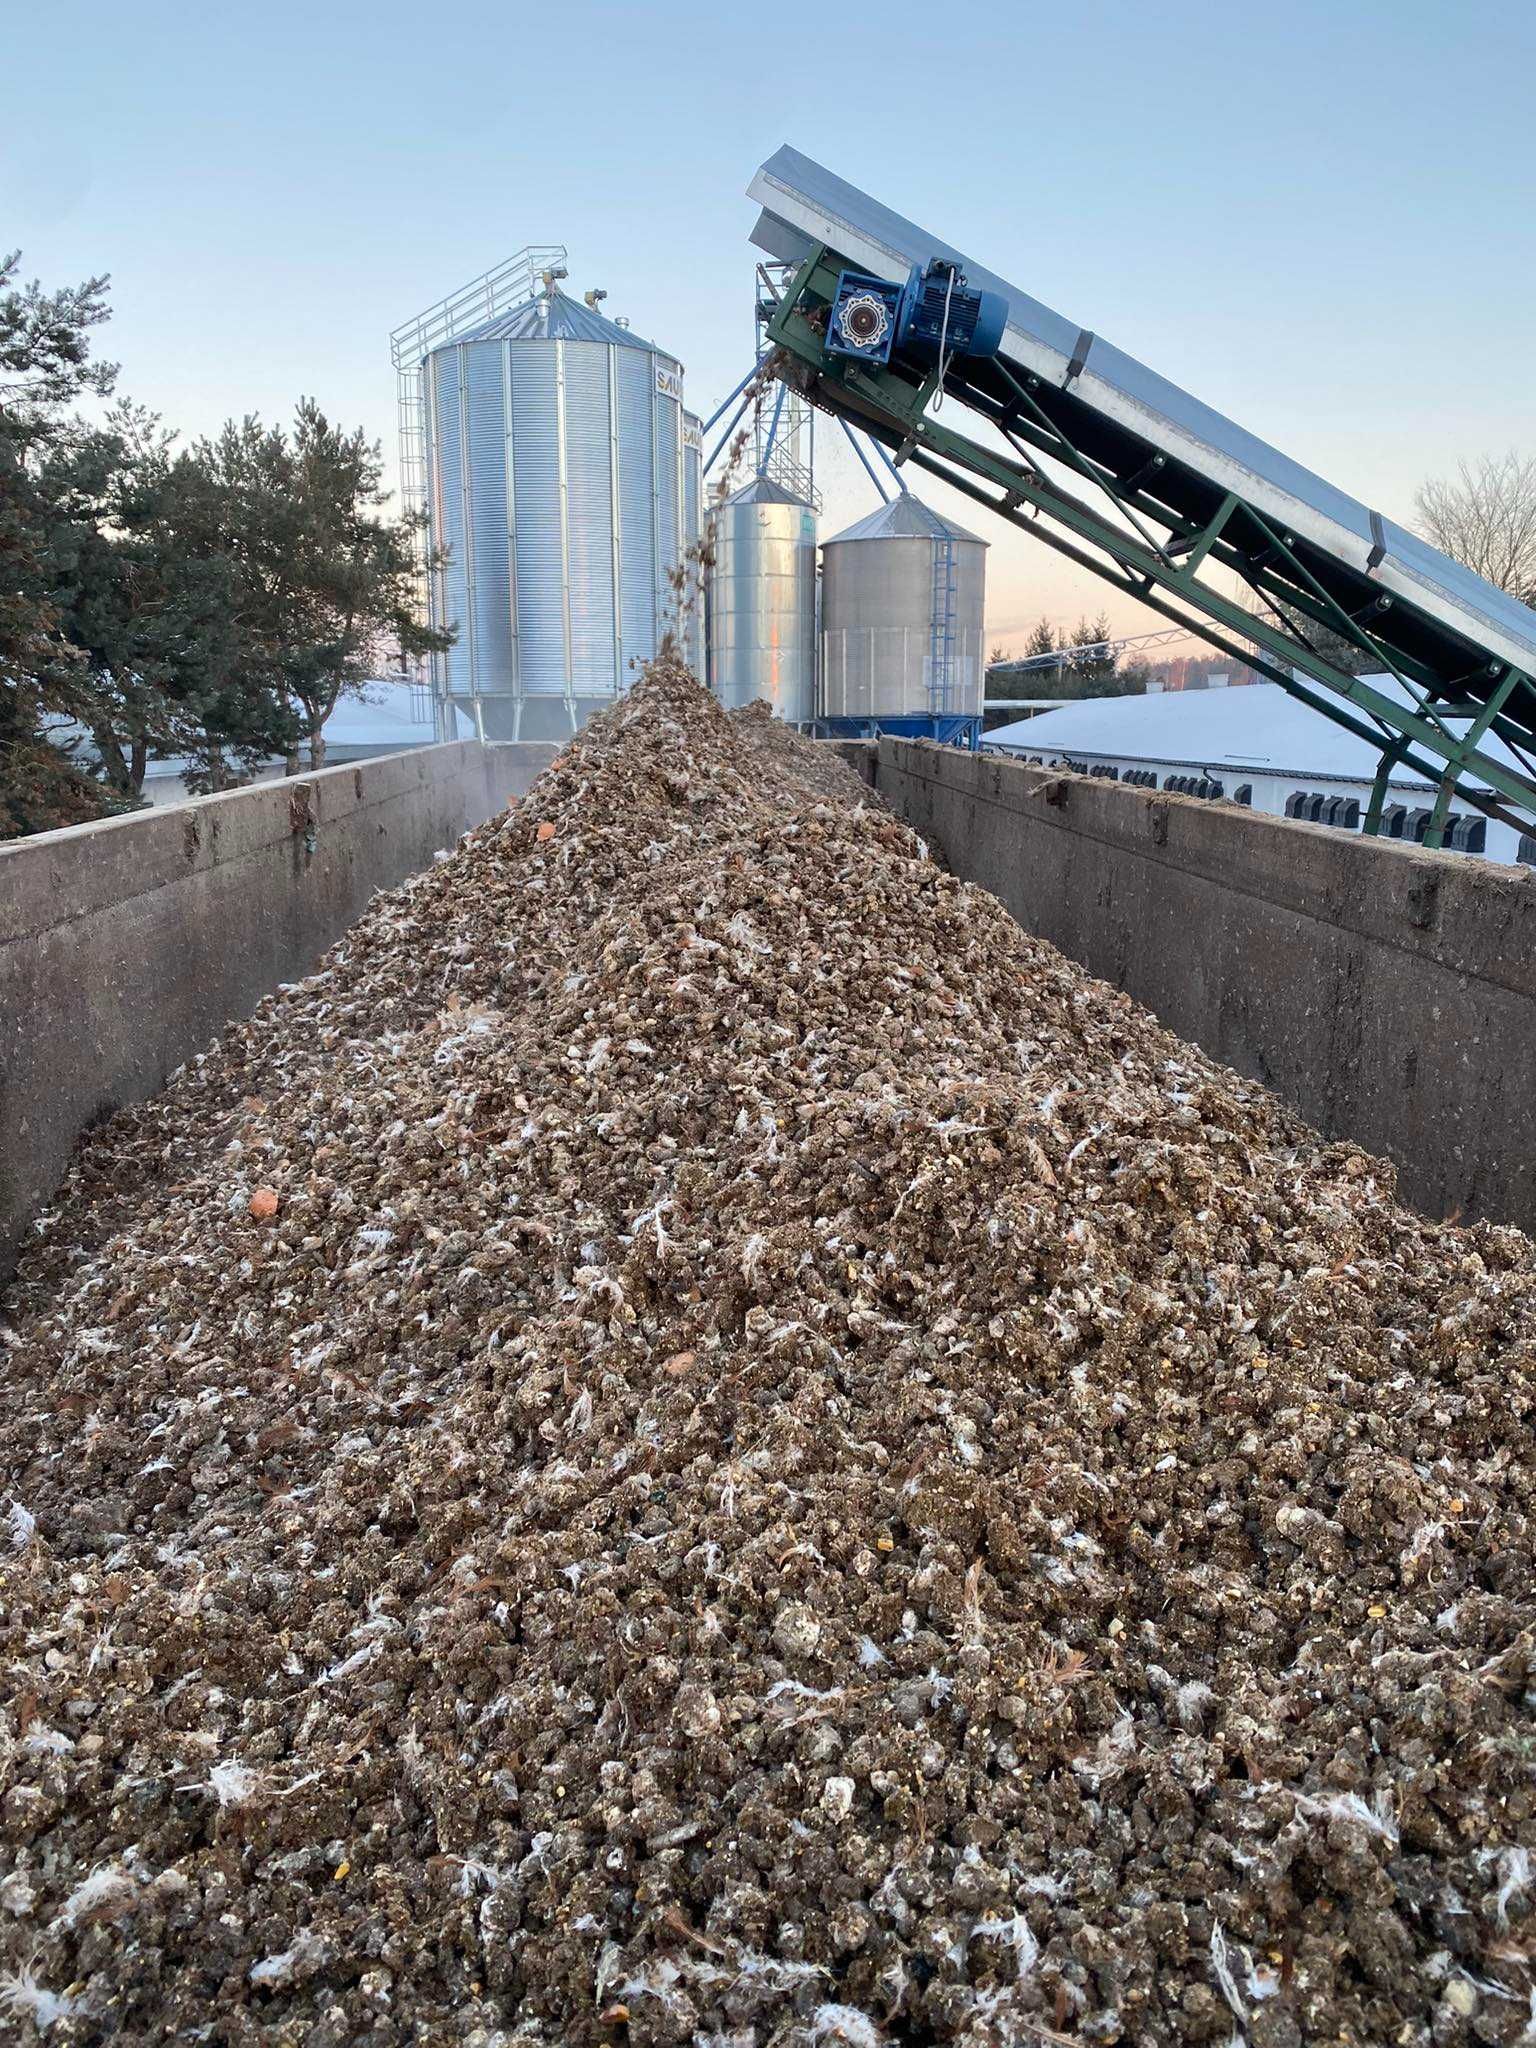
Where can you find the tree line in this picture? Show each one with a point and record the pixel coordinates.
(213, 602)
(1092, 669)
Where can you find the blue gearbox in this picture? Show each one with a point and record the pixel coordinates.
(864, 316)
(935, 312)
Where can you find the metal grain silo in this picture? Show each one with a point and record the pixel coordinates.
(902, 602)
(762, 600)
(559, 484)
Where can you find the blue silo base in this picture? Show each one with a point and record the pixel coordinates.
(955, 729)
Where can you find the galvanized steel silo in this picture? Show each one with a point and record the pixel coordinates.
(762, 600)
(558, 483)
(902, 604)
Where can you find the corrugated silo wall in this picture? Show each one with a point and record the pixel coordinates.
(883, 627)
(564, 489)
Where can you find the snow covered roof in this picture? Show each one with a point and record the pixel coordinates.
(1260, 727)
(905, 518)
(388, 714)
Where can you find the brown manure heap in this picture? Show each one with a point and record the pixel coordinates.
(699, 1440)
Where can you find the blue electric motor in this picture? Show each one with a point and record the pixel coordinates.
(934, 312)
(941, 313)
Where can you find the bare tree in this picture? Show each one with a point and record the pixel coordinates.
(1485, 516)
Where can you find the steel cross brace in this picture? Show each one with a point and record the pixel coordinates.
(1132, 497)
(893, 409)
(1301, 593)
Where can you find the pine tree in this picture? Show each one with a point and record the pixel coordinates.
(326, 587)
(45, 367)
(1042, 639)
(215, 604)
(1092, 668)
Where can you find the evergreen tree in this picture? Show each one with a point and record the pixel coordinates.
(1042, 640)
(45, 367)
(1334, 648)
(325, 587)
(1092, 668)
(1092, 671)
(215, 604)
(145, 597)
(106, 593)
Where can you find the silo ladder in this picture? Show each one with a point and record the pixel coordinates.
(941, 651)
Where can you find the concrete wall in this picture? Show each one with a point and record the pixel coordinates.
(126, 946)
(1390, 994)
(1386, 992)
(862, 756)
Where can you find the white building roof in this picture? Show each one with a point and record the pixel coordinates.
(1259, 727)
(388, 715)
(386, 719)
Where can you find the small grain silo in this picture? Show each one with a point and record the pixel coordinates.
(902, 606)
(762, 600)
(561, 489)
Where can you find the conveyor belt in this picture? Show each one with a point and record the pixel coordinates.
(1165, 487)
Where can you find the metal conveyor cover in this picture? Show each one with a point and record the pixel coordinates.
(804, 204)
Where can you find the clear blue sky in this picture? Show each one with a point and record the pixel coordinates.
(1319, 218)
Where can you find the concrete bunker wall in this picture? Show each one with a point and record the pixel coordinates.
(126, 946)
(1389, 994)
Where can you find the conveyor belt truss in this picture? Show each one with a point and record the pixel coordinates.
(1155, 523)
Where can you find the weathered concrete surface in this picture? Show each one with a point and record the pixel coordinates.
(125, 946)
(1389, 994)
(862, 756)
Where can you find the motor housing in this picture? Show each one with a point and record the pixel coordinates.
(939, 310)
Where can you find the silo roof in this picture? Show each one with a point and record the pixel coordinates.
(761, 491)
(556, 318)
(906, 518)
